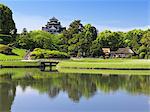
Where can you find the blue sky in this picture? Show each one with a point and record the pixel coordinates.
(115, 15)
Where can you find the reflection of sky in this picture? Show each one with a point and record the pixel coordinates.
(32, 100)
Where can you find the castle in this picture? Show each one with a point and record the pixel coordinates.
(53, 26)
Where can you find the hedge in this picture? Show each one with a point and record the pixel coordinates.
(47, 54)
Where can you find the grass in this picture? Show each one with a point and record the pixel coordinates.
(15, 60)
(105, 72)
(19, 54)
(88, 65)
(19, 63)
(105, 63)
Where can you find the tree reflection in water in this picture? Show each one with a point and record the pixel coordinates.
(75, 85)
(7, 93)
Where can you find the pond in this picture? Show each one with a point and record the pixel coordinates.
(30, 90)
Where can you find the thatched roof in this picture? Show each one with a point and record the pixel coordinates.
(124, 51)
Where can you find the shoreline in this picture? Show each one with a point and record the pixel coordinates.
(89, 64)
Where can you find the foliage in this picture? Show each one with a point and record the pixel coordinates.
(133, 39)
(38, 39)
(144, 50)
(47, 54)
(5, 39)
(96, 49)
(142, 55)
(77, 39)
(6, 21)
(71, 36)
(112, 40)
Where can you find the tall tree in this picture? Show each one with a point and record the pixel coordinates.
(89, 34)
(7, 24)
(71, 37)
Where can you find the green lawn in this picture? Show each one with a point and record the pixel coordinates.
(19, 54)
(19, 63)
(105, 72)
(89, 65)
(105, 63)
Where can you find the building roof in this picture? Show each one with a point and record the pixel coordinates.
(124, 51)
(53, 19)
(53, 28)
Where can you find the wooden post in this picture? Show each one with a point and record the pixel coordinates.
(50, 65)
(42, 66)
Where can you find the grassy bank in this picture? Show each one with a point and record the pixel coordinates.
(105, 63)
(88, 63)
(105, 72)
(19, 63)
(91, 66)
(18, 55)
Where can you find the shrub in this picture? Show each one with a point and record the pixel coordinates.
(135, 57)
(5, 49)
(142, 49)
(46, 54)
(142, 55)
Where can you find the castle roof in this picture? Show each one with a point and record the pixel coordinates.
(53, 28)
(53, 19)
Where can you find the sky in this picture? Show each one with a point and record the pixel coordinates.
(116, 15)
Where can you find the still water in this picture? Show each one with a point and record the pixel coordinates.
(29, 90)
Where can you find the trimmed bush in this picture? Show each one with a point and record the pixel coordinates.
(47, 54)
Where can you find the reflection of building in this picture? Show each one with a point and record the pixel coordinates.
(53, 26)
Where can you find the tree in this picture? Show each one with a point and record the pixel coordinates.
(88, 35)
(71, 37)
(112, 40)
(7, 25)
(25, 41)
(96, 49)
(133, 39)
(38, 39)
(144, 50)
(145, 40)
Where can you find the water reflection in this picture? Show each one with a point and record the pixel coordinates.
(7, 93)
(75, 85)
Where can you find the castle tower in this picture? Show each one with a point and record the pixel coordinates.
(53, 26)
